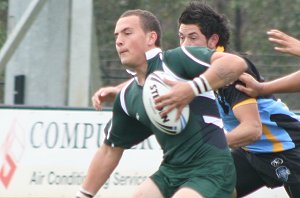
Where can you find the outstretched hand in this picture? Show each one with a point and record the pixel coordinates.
(105, 94)
(178, 97)
(251, 87)
(288, 44)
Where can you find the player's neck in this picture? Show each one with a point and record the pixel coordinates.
(141, 74)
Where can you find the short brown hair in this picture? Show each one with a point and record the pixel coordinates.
(149, 22)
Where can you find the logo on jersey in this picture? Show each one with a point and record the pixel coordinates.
(283, 173)
(276, 162)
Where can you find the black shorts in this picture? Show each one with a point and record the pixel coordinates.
(255, 170)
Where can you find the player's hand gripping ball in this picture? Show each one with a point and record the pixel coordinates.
(154, 86)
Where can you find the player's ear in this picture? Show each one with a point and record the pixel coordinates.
(152, 37)
(213, 41)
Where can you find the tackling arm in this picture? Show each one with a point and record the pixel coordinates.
(106, 94)
(289, 83)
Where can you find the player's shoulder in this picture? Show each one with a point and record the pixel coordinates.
(195, 50)
(231, 95)
(188, 58)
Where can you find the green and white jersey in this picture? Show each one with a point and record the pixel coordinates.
(203, 134)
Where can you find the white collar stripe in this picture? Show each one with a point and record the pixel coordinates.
(194, 58)
(152, 53)
(122, 96)
(109, 130)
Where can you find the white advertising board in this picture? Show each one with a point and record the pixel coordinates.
(45, 153)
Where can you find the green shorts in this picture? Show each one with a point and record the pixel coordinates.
(213, 180)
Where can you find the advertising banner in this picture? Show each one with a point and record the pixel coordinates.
(46, 153)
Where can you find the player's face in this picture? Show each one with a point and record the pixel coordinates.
(190, 35)
(130, 41)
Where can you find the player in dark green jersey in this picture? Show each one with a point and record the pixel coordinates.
(197, 161)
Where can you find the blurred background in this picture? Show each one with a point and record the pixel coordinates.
(62, 51)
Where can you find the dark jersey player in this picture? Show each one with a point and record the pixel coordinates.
(197, 162)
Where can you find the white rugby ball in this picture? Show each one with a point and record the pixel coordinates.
(154, 86)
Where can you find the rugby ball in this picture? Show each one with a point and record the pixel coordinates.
(154, 86)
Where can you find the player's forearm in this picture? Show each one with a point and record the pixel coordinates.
(289, 83)
(243, 135)
(103, 164)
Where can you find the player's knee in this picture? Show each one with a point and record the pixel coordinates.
(187, 192)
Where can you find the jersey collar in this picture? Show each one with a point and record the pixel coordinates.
(152, 53)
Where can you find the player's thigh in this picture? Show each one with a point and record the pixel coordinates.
(248, 180)
(147, 189)
(187, 192)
